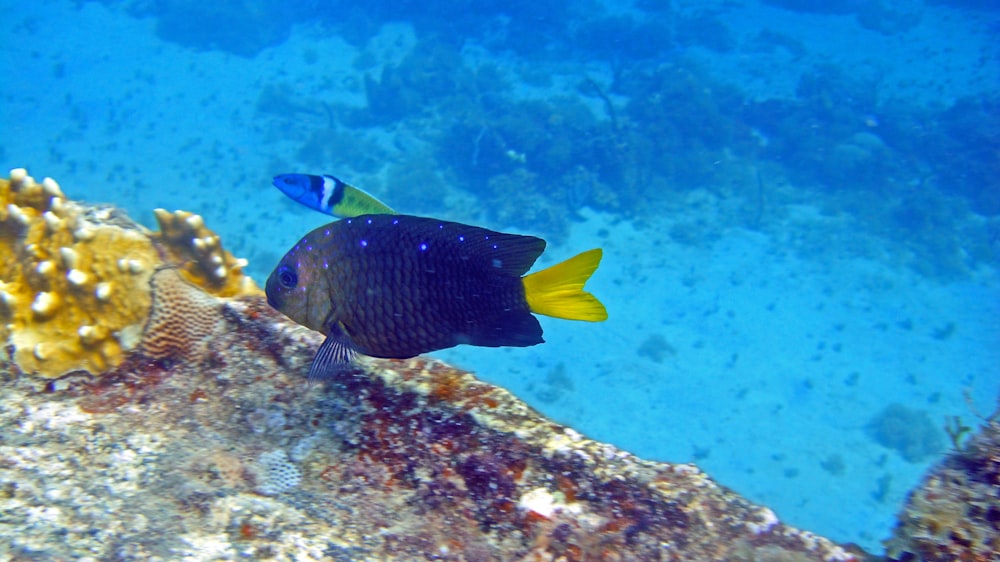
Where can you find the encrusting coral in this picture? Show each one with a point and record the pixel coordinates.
(955, 513)
(75, 281)
(199, 252)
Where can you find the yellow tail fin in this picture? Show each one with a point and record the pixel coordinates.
(558, 290)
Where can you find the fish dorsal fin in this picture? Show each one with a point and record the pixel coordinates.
(334, 355)
(510, 254)
(480, 248)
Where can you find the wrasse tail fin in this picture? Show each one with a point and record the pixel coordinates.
(558, 290)
(353, 202)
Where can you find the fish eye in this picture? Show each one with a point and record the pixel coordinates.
(287, 277)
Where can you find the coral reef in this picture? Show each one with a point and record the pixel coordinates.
(199, 254)
(228, 453)
(276, 473)
(955, 513)
(224, 451)
(398, 460)
(75, 281)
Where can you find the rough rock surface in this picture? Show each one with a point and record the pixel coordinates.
(955, 513)
(206, 443)
(229, 453)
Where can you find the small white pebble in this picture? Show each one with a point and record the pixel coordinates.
(45, 267)
(52, 188)
(69, 257)
(52, 221)
(539, 501)
(89, 334)
(17, 214)
(7, 300)
(17, 175)
(44, 303)
(77, 277)
(57, 205)
(83, 234)
(195, 221)
(767, 521)
(103, 291)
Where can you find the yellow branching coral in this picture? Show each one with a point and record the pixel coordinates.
(199, 252)
(75, 280)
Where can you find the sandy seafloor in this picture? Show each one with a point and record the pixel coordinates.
(780, 344)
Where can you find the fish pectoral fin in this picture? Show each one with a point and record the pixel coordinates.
(334, 355)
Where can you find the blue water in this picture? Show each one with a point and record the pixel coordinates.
(799, 201)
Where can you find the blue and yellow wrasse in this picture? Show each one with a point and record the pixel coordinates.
(329, 195)
(398, 286)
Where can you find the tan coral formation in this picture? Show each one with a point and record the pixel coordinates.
(75, 280)
(203, 260)
(955, 513)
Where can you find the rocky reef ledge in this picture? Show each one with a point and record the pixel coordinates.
(187, 430)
